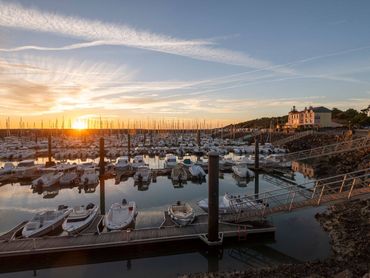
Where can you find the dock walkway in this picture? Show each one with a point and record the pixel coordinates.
(141, 237)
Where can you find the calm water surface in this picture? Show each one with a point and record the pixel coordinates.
(298, 237)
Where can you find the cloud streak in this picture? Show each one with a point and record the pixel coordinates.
(99, 33)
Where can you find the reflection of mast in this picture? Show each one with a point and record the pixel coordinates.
(102, 195)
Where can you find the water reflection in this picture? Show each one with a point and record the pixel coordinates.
(306, 169)
(18, 202)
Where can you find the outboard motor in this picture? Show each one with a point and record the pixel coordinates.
(62, 207)
(124, 202)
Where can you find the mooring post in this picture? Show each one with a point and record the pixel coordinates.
(49, 149)
(101, 175)
(198, 138)
(213, 258)
(213, 166)
(101, 157)
(49, 163)
(256, 184)
(256, 155)
(129, 144)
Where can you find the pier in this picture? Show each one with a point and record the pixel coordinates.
(143, 242)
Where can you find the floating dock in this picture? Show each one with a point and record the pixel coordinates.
(94, 238)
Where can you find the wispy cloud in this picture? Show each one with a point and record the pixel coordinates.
(98, 33)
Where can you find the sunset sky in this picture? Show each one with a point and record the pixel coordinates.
(225, 61)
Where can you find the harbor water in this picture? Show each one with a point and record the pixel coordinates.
(298, 237)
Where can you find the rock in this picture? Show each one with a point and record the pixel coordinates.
(344, 274)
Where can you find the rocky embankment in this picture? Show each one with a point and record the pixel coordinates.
(348, 225)
(327, 166)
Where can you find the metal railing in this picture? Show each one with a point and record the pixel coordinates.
(293, 137)
(297, 196)
(341, 147)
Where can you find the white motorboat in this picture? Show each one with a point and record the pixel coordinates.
(45, 222)
(8, 168)
(89, 177)
(120, 216)
(80, 218)
(250, 160)
(143, 174)
(26, 169)
(122, 164)
(69, 178)
(181, 214)
(197, 171)
(170, 161)
(138, 161)
(242, 171)
(179, 173)
(47, 180)
(230, 203)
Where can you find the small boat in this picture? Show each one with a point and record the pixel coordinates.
(179, 173)
(170, 161)
(230, 203)
(138, 161)
(80, 218)
(242, 171)
(7, 169)
(120, 216)
(197, 171)
(187, 162)
(26, 169)
(47, 180)
(143, 174)
(45, 222)
(89, 177)
(122, 164)
(181, 214)
(69, 178)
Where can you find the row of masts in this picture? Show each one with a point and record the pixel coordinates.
(149, 124)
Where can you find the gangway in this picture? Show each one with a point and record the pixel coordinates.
(312, 193)
(296, 136)
(332, 149)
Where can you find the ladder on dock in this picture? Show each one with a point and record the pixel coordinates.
(312, 193)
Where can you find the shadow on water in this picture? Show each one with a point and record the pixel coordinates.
(239, 254)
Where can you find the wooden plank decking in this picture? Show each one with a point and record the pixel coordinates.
(140, 237)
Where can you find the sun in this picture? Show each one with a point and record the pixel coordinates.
(78, 124)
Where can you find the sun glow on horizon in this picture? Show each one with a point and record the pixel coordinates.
(78, 124)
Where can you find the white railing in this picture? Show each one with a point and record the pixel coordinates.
(285, 199)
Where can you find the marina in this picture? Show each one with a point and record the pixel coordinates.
(188, 139)
(240, 223)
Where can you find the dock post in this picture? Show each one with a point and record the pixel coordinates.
(49, 163)
(129, 144)
(198, 138)
(256, 155)
(101, 157)
(256, 184)
(101, 175)
(213, 197)
(49, 148)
